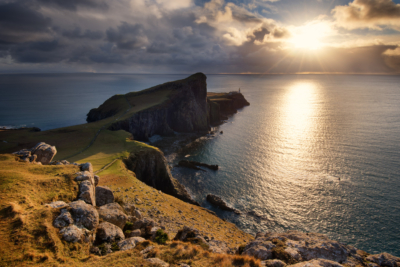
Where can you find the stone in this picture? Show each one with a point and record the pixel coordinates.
(104, 195)
(157, 262)
(216, 246)
(71, 233)
(130, 209)
(138, 214)
(299, 247)
(83, 176)
(384, 259)
(95, 250)
(112, 214)
(63, 220)
(130, 243)
(217, 201)
(87, 192)
(57, 204)
(96, 180)
(108, 232)
(274, 263)
(44, 152)
(87, 167)
(317, 263)
(84, 214)
(65, 162)
(134, 233)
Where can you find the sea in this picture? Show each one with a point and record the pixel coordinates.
(315, 153)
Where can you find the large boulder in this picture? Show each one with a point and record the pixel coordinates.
(112, 214)
(44, 152)
(104, 195)
(87, 167)
(85, 175)
(317, 263)
(87, 192)
(130, 243)
(259, 249)
(107, 232)
(84, 214)
(72, 234)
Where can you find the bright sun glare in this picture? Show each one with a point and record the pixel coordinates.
(310, 35)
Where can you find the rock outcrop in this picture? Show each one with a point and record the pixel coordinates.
(222, 105)
(184, 110)
(84, 214)
(151, 167)
(193, 165)
(114, 215)
(41, 153)
(220, 203)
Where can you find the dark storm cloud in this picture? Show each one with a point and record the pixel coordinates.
(128, 36)
(77, 33)
(20, 22)
(73, 5)
(368, 13)
(37, 52)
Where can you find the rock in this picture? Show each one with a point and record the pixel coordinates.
(193, 165)
(35, 129)
(104, 195)
(274, 263)
(317, 263)
(44, 152)
(71, 234)
(96, 180)
(63, 220)
(83, 176)
(84, 214)
(294, 246)
(95, 250)
(146, 250)
(33, 158)
(153, 232)
(23, 153)
(87, 167)
(107, 232)
(87, 192)
(130, 209)
(65, 162)
(217, 246)
(57, 204)
(217, 201)
(111, 214)
(138, 214)
(157, 262)
(129, 243)
(384, 259)
(134, 233)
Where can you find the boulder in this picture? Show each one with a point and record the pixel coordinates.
(44, 152)
(294, 246)
(71, 234)
(33, 158)
(87, 167)
(274, 263)
(107, 232)
(317, 263)
(134, 233)
(57, 204)
(96, 180)
(129, 243)
(138, 214)
(216, 246)
(217, 201)
(83, 176)
(157, 262)
(384, 259)
(130, 209)
(84, 214)
(112, 214)
(63, 220)
(87, 192)
(104, 195)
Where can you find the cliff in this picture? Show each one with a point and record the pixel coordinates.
(222, 105)
(151, 167)
(184, 110)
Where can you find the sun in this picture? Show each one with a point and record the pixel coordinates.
(311, 35)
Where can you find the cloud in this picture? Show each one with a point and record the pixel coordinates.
(372, 14)
(19, 22)
(392, 58)
(128, 36)
(78, 34)
(73, 5)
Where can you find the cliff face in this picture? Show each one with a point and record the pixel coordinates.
(184, 110)
(221, 105)
(151, 167)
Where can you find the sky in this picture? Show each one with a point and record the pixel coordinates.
(187, 36)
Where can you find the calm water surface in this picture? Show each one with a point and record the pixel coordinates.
(313, 152)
